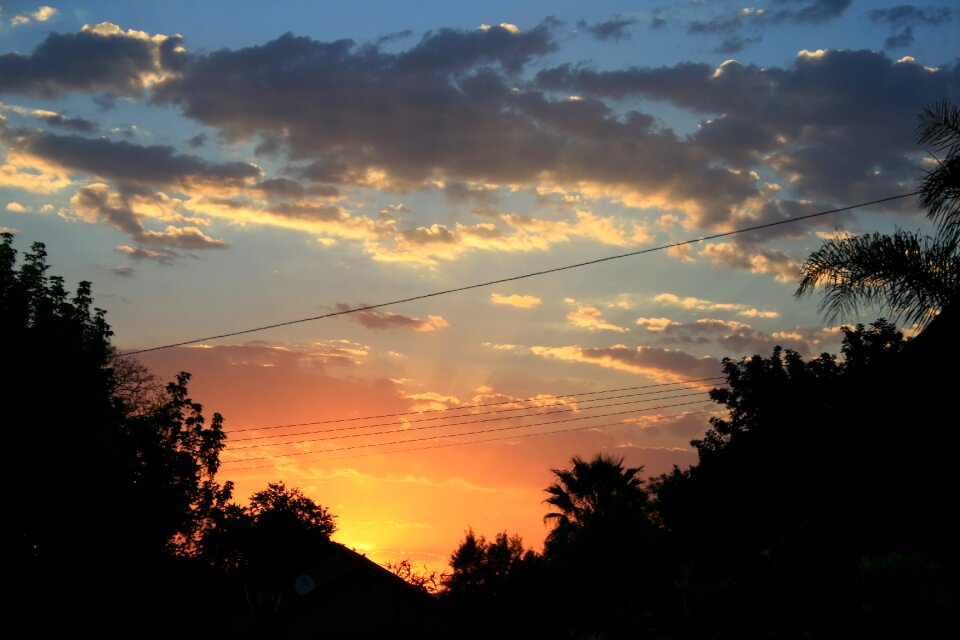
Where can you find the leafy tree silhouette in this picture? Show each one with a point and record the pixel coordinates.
(483, 568)
(271, 539)
(114, 476)
(794, 487)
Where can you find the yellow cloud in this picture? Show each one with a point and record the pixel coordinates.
(699, 304)
(588, 317)
(32, 174)
(654, 324)
(663, 365)
(519, 301)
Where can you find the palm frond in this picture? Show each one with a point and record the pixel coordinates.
(939, 129)
(940, 194)
(913, 276)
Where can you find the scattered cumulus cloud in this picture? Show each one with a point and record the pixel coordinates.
(589, 317)
(780, 265)
(126, 210)
(464, 125)
(42, 14)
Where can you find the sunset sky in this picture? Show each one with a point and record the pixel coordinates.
(222, 165)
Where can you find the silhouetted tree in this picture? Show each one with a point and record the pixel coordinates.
(793, 486)
(428, 580)
(594, 495)
(940, 189)
(277, 535)
(479, 567)
(604, 546)
(111, 477)
(915, 277)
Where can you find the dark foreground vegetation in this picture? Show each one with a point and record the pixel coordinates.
(822, 504)
(818, 508)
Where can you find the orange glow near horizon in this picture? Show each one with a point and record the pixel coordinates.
(403, 501)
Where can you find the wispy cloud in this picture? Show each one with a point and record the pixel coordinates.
(379, 320)
(665, 365)
(699, 304)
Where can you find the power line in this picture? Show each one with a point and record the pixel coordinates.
(468, 433)
(482, 441)
(533, 274)
(468, 415)
(470, 406)
(454, 424)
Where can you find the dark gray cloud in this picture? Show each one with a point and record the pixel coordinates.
(197, 141)
(128, 162)
(837, 124)
(738, 339)
(613, 29)
(80, 125)
(462, 192)
(456, 50)
(899, 40)
(804, 11)
(96, 59)
(674, 361)
(907, 15)
(450, 109)
(723, 24)
(282, 187)
(903, 18)
(754, 20)
(396, 35)
(445, 108)
(736, 43)
(105, 101)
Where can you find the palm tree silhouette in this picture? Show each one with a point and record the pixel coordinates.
(593, 495)
(915, 277)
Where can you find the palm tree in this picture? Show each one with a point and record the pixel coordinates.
(940, 190)
(594, 495)
(915, 277)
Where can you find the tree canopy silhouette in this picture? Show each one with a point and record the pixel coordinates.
(114, 474)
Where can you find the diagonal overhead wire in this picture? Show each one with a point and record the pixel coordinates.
(532, 274)
(478, 405)
(514, 436)
(534, 410)
(466, 433)
(444, 425)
